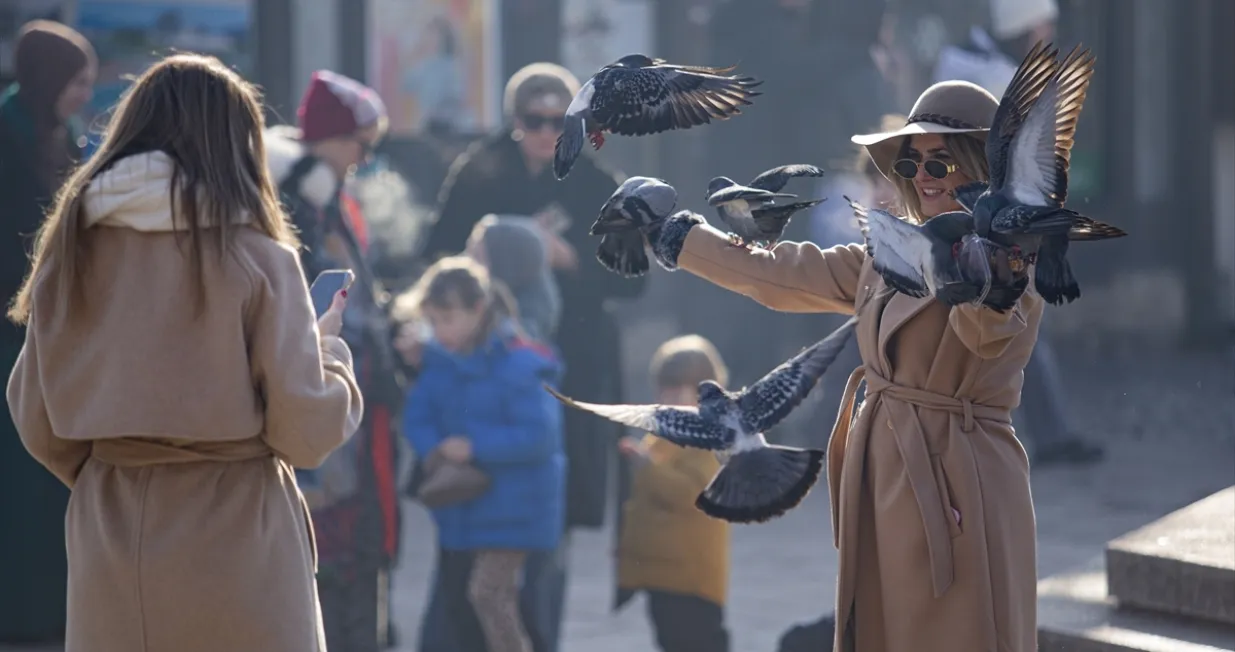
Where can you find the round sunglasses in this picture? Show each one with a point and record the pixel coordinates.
(536, 122)
(907, 168)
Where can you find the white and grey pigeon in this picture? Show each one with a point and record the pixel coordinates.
(942, 257)
(751, 211)
(638, 95)
(625, 219)
(1029, 148)
(758, 481)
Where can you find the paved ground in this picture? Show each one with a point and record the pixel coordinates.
(1167, 418)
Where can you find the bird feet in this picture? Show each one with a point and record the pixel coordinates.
(735, 240)
(597, 138)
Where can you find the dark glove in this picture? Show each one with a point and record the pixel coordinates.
(667, 236)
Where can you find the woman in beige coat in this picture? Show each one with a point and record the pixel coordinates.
(173, 374)
(931, 508)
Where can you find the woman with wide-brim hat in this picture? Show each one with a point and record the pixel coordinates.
(931, 506)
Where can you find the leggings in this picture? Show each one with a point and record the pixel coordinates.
(493, 589)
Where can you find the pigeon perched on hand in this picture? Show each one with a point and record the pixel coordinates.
(638, 95)
(942, 257)
(634, 209)
(750, 211)
(758, 481)
(1029, 149)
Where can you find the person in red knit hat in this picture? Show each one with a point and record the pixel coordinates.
(353, 497)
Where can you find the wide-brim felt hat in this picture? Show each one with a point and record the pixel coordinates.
(951, 107)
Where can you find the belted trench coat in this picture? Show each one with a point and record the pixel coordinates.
(931, 506)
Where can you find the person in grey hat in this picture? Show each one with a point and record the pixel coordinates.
(514, 251)
(931, 505)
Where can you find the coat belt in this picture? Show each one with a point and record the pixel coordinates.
(900, 402)
(131, 451)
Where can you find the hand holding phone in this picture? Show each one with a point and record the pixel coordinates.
(328, 286)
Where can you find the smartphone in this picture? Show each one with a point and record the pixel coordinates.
(326, 285)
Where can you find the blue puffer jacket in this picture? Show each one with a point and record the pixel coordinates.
(494, 397)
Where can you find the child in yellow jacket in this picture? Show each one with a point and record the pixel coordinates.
(667, 548)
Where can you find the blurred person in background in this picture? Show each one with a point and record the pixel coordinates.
(479, 401)
(667, 548)
(510, 173)
(55, 71)
(174, 373)
(514, 252)
(354, 494)
(931, 505)
(990, 61)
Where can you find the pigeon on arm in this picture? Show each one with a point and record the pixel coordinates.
(638, 95)
(758, 481)
(634, 210)
(750, 211)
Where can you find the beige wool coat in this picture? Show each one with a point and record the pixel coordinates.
(931, 507)
(177, 432)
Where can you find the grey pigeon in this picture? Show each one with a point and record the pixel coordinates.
(750, 211)
(1029, 149)
(942, 258)
(625, 219)
(758, 481)
(638, 95)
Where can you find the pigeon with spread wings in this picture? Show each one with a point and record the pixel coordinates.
(751, 211)
(942, 257)
(758, 481)
(1029, 151)
(638, 95)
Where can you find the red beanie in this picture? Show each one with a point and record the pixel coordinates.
(335, 106)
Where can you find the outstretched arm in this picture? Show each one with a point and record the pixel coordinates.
(790, 277)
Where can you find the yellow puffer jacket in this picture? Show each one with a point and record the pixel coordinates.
(666, 543)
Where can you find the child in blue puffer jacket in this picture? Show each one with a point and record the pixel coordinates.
(479, 399)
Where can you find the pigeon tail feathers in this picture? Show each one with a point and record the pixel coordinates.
(1054, 280)
(759, 485)
(569, 146)
(623, 254)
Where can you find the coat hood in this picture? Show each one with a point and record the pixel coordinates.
(135, 193)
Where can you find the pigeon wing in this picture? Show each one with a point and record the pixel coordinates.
(967, 195)
(734, 193)
(893, 245)
(776, 178)
(1023, 91)
(1086, 228)
(1036, 220)
(680, 425)
(666, 97)
(974, 261)
(773, 397)
(1039, 154)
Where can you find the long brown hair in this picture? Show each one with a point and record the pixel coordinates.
(210, 122)
(459, 282)
(968, 152)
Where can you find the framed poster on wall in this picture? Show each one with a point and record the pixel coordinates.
(436, 63)
(129, 35)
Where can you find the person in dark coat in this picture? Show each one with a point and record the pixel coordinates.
(508, 173)
(55, 70)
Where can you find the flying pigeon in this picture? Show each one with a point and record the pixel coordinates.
(638, 95)
(624, 220)
(1029, 149)
(751, 212)
(943, 257)
(758, 481)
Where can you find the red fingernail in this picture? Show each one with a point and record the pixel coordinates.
(344, 293)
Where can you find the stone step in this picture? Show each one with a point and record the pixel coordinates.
(1183, 563)
(1076, 615)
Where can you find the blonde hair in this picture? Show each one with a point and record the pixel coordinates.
(209, 121)
(687, 361)
(968, 152)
